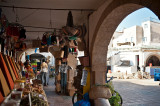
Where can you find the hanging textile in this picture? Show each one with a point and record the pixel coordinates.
(22, 34)
(1, 98)
(12, 31)
(9, 67)
(4, 85)
(14, 64)
(6, 72)
(15, 72)
(65, 49)
(44, 40)
(48, 40)
(63, 72)
(53, 40)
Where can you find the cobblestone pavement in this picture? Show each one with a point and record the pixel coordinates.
(136, 92)
(54, 99)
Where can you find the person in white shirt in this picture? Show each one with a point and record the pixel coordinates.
(44, 73)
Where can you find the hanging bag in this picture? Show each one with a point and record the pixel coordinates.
(36, 43)
(44, 39)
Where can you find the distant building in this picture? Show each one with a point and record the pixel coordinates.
(137, 46)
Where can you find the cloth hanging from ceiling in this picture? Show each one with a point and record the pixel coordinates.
(22, 34)
(12, 31)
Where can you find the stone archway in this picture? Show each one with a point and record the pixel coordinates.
(154, 60)
(113, 12)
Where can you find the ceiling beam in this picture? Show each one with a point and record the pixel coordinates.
(38, 27)
(5, 6)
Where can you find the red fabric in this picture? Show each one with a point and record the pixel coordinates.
(1, 98)
(75, 49)
(15, 72)
(6, 72)
(12, 31)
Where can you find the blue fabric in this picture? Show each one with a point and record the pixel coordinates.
(44, 78)
(86, 96)
(49, 40)
(36, 50)
(23, 73)
(84, 102)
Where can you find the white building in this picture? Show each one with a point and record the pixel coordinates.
(135, 46)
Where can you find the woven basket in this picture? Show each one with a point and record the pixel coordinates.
(100, 92)
(36, 43)
(58, 54)
(45, 49)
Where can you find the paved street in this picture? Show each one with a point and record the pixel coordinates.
(54, 99)
(136, 92)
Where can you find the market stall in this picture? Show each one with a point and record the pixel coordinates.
(15, 89)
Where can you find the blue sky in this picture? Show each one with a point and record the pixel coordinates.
(136, 18)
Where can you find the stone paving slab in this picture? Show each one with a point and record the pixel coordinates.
(137, 92)
(54, 99)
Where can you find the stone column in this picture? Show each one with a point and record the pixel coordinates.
(98, 64)
(100, 77)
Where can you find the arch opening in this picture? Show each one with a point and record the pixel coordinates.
(107, 24)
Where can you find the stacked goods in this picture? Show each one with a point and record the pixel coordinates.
(72, 62)
(65, 65)
(36, 92)
(35, 101)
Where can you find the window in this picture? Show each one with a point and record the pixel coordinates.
(144, 39)
(132, 39)
(145, 26)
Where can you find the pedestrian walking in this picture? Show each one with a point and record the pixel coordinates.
(44, 73)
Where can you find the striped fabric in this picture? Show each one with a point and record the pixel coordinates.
(9, 67)
(14, 64)
(1, 98)
(6, 72)
(15, 72)
(3, 85)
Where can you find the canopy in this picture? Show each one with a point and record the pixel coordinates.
(37, 56)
